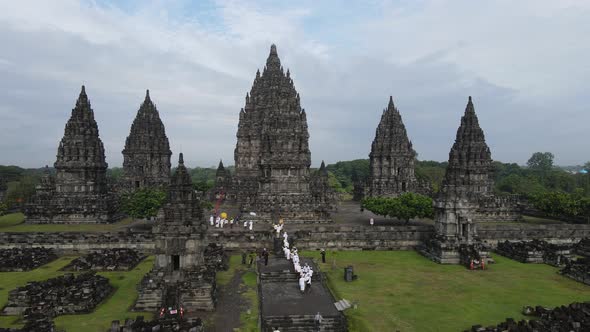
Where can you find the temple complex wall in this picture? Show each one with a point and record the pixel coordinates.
(329, 237)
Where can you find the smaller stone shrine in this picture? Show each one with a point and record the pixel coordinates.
(25, 259)
(223, 185)
(467, 177)
(118, 259)
(180, 271)
(64, 295)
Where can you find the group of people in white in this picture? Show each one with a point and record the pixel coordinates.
(219, 222)
(305, 271)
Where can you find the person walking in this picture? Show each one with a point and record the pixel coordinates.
(323, 253)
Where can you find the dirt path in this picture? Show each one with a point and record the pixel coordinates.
(229, 304)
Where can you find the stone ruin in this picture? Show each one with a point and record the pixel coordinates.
(272, 155)
(578, 269)
(146, 157)
(180, 271)
(162, 324)
(25, 259)
(535, 251)
(118, 259)
(79, 193)
(572, 318)
(392, 158)
(467, 178)
(64, 295)
(34, 323)
(216, 259)
(583, 247)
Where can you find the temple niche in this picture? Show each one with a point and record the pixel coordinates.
(392, 158)
(272, 156)
(180, 273)
(79, 192)
(146, 157)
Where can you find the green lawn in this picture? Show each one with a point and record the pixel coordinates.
(402, 290)
(15, 223)
(115, 307)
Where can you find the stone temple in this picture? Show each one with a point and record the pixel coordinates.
(146, 157)
(179, 271)
(272, 155)
(467, 180)
(79, 192)
(392, 157)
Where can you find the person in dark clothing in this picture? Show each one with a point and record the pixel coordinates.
(265, 256)
(244, 256)
(323, 253)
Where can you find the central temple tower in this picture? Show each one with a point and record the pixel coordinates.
(272, 155)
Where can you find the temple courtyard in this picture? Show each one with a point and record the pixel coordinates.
(395, 290)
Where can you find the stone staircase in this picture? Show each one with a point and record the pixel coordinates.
(293, 323)
(149, 300)
(286, 276)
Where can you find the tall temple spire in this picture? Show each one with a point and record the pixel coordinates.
(273, 63)
(220, 166)
(146, 157)
(392, 157)
(180, 159)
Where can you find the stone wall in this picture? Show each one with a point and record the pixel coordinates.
(331, 237)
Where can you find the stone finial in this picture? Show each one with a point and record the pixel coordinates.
(180, 159)
(390, 105)
(147, 95)
(82, 98)
(273, 49)
(220, 166)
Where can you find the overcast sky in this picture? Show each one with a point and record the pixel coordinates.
(526, 64)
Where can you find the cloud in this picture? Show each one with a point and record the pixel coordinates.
(524, 63)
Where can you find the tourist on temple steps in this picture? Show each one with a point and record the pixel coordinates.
(265, 255)
(371, 221)
(211, 220)
(323, 253)
(318, 321)
(231, 223)
(250, 224)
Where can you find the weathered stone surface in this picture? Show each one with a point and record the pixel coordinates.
(161, 324)
(578, 269)
(572, 318)
(25, 259)
(180, 272)
(79, 192)
(223, 185)
(63, 295)
(146, 157)
(272, 155)
(119, 259)
(392, 158)
(535, 251)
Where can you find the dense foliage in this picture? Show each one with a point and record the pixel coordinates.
(346, 172)
(560, 204)
(143, 203)
(404, 207)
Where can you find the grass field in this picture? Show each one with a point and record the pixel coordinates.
(403, 291)
(115, 307)
(14, 222)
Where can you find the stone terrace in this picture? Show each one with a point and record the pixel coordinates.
(283, 305)
(25, 259)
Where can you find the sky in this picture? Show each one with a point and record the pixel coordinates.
(524, 62)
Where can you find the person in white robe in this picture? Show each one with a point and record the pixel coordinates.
(250, 224)
(211, 220)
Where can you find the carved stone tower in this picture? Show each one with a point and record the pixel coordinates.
(146, 157)
(223, 183)
(81, 193)
(272, 154)
(392, 157)
(468, 178)
(179, 271)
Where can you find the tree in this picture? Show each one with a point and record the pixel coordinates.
(541, 161)
(405, 207)
(143, 203)
(587, 166)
